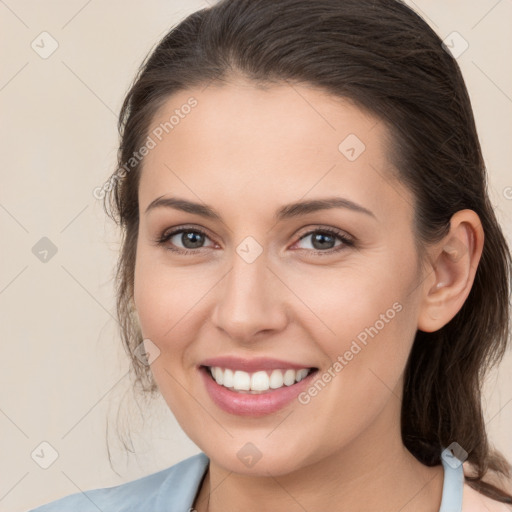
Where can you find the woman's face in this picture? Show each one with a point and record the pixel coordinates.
(266, 288)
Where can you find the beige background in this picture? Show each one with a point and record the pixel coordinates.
(62, 370)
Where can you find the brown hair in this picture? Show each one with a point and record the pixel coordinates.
(386, 59)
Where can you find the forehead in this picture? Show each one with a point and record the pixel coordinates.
(284, 141)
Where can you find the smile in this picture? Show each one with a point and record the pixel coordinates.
(254, 393)
(259, 381)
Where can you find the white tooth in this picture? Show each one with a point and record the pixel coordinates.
(301, 374)
(289, 377)
(260, 381)
(241, 381)
(228, 378)
(218, 375)
(276, 379)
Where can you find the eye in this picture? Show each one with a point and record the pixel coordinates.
(323, 240)
(190, 239)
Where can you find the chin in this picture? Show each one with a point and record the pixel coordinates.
(253, 461)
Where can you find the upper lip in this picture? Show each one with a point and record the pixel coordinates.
(252, 365)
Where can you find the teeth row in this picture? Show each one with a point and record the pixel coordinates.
(258, 381)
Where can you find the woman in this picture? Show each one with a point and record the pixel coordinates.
(311, 273)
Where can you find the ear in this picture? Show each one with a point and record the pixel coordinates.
(454, 261)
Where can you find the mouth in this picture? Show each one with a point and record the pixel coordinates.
(258, 382)
(254, 387)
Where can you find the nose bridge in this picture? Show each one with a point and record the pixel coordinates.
(248, 299)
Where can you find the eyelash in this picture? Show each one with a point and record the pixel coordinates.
(346, 242)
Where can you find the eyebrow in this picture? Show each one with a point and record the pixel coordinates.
(286, 212)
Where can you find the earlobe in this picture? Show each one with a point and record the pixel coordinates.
(454, 263)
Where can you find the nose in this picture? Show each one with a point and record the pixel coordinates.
(250, 301)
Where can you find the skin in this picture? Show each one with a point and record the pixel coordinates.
(247, 151)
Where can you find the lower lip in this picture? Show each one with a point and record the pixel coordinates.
(247, 404)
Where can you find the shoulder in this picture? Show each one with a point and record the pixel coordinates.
(473, 501)
(172, 487)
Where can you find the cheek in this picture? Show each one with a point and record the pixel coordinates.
(347, 302)
(373, 324)
(166, 298)
(364, 320)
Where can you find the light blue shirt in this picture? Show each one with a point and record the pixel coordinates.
(174, 490)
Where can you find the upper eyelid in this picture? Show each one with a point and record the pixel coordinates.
(167, 233)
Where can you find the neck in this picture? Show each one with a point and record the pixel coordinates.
(374, 473)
